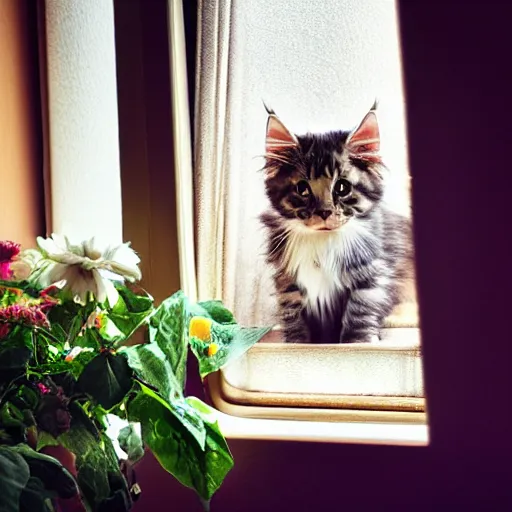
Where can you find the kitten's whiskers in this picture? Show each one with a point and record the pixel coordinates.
(282, 239)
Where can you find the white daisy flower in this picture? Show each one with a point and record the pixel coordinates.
(85, 268)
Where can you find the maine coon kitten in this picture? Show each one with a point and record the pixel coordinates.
(339, 254)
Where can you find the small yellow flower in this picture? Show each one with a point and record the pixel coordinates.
(201, 328)
(213, 348)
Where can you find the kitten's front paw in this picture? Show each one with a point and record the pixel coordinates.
(362, 338)
(301, 339)
(297, 337)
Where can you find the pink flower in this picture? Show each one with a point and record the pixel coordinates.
(31, 315)
(8, 251)
(47, 303)
(52, 289)
(44, 389)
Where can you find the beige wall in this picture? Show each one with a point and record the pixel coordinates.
(21, 193)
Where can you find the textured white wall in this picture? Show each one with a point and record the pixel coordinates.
(84, 142)
(319, 65)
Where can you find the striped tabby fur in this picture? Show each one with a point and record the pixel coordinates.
(340, 255)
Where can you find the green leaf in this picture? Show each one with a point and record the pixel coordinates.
(52, 343)
(92, 469)
(131, 443)
(119, 499)
(218, 460)
(45, 439)
(96, 459)
(52, 368)
(107, 378)
(9, 295)
(201, 468)
(14, 475)
(59, 333)
(13, 292)
(130, 311)
(232, 341)
(109, 331)
(22, 285)
(88, 338)
(27, 396)
(79, 362)
(168, 328)
(50, 471)
(151, 366)
(15, 352)
(74, 329)
(13, 361)
(216, 310)
(35, 497)
(70, 317)
(11, 416)
(46, 350)
(80, 419)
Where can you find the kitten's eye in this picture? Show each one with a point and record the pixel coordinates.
(303, 188)
(342, 188)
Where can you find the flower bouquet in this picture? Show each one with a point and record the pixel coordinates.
(71, 376)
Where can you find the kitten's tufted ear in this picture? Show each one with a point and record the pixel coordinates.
(364, 141)
(278, 136)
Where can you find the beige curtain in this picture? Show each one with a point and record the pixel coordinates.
(213, 128)
(320, 66)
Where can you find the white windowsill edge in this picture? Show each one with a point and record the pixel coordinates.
(234, 427)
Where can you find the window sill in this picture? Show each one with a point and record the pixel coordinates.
(266, 403)
(397, 434)
(315, 412)
(331, 375)
(360, 393)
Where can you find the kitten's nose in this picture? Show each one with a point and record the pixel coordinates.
(324, 213)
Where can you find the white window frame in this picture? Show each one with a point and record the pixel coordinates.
(259, 422)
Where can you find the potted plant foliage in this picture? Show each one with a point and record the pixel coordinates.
(71, 373)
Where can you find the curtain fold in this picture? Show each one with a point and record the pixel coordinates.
(182, 149)
(212, 150)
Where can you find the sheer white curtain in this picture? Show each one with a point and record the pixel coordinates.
(319, 65)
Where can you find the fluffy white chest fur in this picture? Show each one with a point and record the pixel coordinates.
(315, 258)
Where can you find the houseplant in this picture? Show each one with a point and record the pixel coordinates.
(69, 371)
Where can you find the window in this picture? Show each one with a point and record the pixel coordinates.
(319, 69)
(463, 307)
